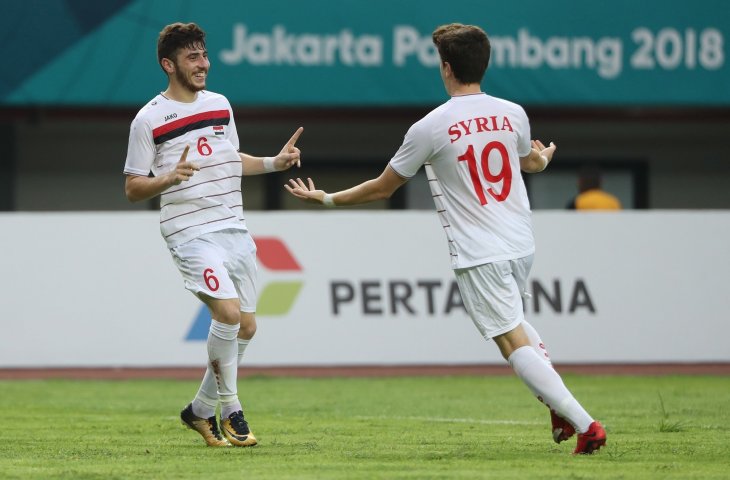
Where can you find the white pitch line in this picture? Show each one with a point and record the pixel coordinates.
(450, 420)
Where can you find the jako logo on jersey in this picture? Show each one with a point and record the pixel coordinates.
(276, 298)
(170, 117)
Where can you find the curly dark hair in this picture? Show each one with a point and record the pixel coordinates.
(176, 36)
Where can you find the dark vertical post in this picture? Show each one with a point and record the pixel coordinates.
(272, 191)
(8, 162)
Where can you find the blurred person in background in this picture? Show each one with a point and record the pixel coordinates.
(473, 148)
(186, 138)
(590, 194)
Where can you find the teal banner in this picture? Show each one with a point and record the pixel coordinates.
(330, 53)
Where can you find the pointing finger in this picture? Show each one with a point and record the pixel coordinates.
(295, 137)
(185, 154)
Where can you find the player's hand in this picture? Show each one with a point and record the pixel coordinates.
(184, 169)
(307, 193)
(542, 150)
(289, 154)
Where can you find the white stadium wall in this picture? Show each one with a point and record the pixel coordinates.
(363, 288)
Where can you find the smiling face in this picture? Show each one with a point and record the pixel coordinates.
(183, 57)
(190, 68)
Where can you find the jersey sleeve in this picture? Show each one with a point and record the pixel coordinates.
(232, 131)
(141, 150)
(416, 149)
(524, 140)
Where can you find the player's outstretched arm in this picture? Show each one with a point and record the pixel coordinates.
(375, 189)
(289, 156)
(539, 157)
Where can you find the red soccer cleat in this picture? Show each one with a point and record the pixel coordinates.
(562, 430)
(592, 440)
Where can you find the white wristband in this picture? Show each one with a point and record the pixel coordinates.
(328, 201)
(269, 164)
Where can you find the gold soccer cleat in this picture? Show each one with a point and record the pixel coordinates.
(206, 427)
(235, 429)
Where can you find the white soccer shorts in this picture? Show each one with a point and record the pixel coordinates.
(220, 264)
(492, 294)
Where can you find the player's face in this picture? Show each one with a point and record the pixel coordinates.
(191, 68)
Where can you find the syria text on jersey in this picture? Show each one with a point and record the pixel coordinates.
(478, 125)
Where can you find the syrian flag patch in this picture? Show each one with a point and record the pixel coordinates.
(218, 130)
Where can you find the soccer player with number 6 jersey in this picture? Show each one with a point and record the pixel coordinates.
(473, 149)
(186, 138)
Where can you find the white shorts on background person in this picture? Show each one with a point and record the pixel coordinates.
(492, 294)
(220, 264)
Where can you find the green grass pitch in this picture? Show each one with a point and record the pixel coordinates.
(672, 427)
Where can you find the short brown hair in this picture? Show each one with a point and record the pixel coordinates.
(176, 36)
(466, 48)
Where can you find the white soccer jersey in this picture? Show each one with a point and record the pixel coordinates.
(471, 148)
(211, 200)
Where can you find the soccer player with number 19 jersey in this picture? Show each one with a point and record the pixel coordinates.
(473, 149)
(186, 138)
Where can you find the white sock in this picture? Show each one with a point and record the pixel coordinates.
(206, 400)
(223, 360)
(536, 342)
(549, 388)
(242, 344)
(229, 408)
